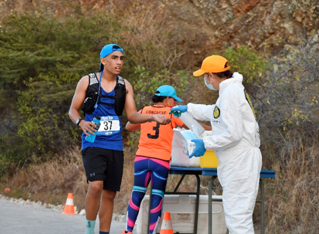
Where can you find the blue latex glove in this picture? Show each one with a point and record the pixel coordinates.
(178, 110)
(199, 148)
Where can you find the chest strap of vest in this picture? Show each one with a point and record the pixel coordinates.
(119, 97)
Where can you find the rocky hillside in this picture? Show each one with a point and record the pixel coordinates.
(205, 26)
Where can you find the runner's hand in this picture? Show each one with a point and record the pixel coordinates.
(161, 119)
(88, 127)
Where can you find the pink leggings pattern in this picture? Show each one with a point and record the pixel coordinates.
(146, 170)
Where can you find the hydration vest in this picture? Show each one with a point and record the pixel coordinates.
(93, 96)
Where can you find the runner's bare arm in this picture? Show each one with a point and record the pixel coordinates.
(205, 126)
(132, 127)
(78, 98)
(76, 105)
(133, 116)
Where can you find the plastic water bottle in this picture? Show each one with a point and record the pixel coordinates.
(192, 124)
(97, 122)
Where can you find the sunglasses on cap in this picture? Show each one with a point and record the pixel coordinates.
(116, 47)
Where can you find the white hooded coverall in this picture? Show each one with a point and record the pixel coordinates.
(235, 140)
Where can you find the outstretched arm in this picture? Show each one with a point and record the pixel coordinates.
(132, 127)
(133, 116)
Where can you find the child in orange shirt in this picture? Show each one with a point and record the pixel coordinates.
(152, 161)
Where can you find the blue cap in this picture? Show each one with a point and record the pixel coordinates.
(167, 91)
(108, 49)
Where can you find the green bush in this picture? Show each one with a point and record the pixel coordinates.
(145, 84)
(41, 59)
(247, 62)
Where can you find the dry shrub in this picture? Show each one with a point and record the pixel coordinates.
(123, 197)
(149, 38)
(288, 97)
(51, 181)
(292, 199)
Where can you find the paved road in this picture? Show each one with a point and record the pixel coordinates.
(19, 218)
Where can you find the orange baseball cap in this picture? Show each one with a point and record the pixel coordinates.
(213, 64)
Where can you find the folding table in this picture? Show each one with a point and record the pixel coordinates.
(212, 172)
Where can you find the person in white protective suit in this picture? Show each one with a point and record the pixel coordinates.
(235, 140)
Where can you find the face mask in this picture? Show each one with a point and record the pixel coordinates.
(173, 104)
(209, 85)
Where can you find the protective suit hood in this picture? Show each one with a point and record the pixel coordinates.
(235, 79)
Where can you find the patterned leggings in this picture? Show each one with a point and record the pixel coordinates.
(146, 169)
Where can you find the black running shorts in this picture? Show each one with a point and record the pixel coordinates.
(104, 164)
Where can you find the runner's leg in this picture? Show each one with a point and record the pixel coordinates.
(141, 180)
(160, 171)
(92, 202)
(106, 210)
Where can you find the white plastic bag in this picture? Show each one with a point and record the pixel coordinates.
(181, 149)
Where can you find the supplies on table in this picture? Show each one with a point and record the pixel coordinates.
(182, 142)
(192, 124)
(209, 159)
(181, 147)
(186, 137)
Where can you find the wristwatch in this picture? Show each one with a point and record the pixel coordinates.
(78, 121)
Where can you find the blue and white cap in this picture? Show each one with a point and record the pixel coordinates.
(167, 91)
(108, 49)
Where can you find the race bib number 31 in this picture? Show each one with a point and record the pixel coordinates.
(109, 125)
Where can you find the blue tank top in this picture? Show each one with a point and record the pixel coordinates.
(109, 134)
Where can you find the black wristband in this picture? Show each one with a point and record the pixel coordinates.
(78, 121)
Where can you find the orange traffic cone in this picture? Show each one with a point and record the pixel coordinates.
(167, 224)
(69, 205)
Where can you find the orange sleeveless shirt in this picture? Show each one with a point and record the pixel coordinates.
(156, 139)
